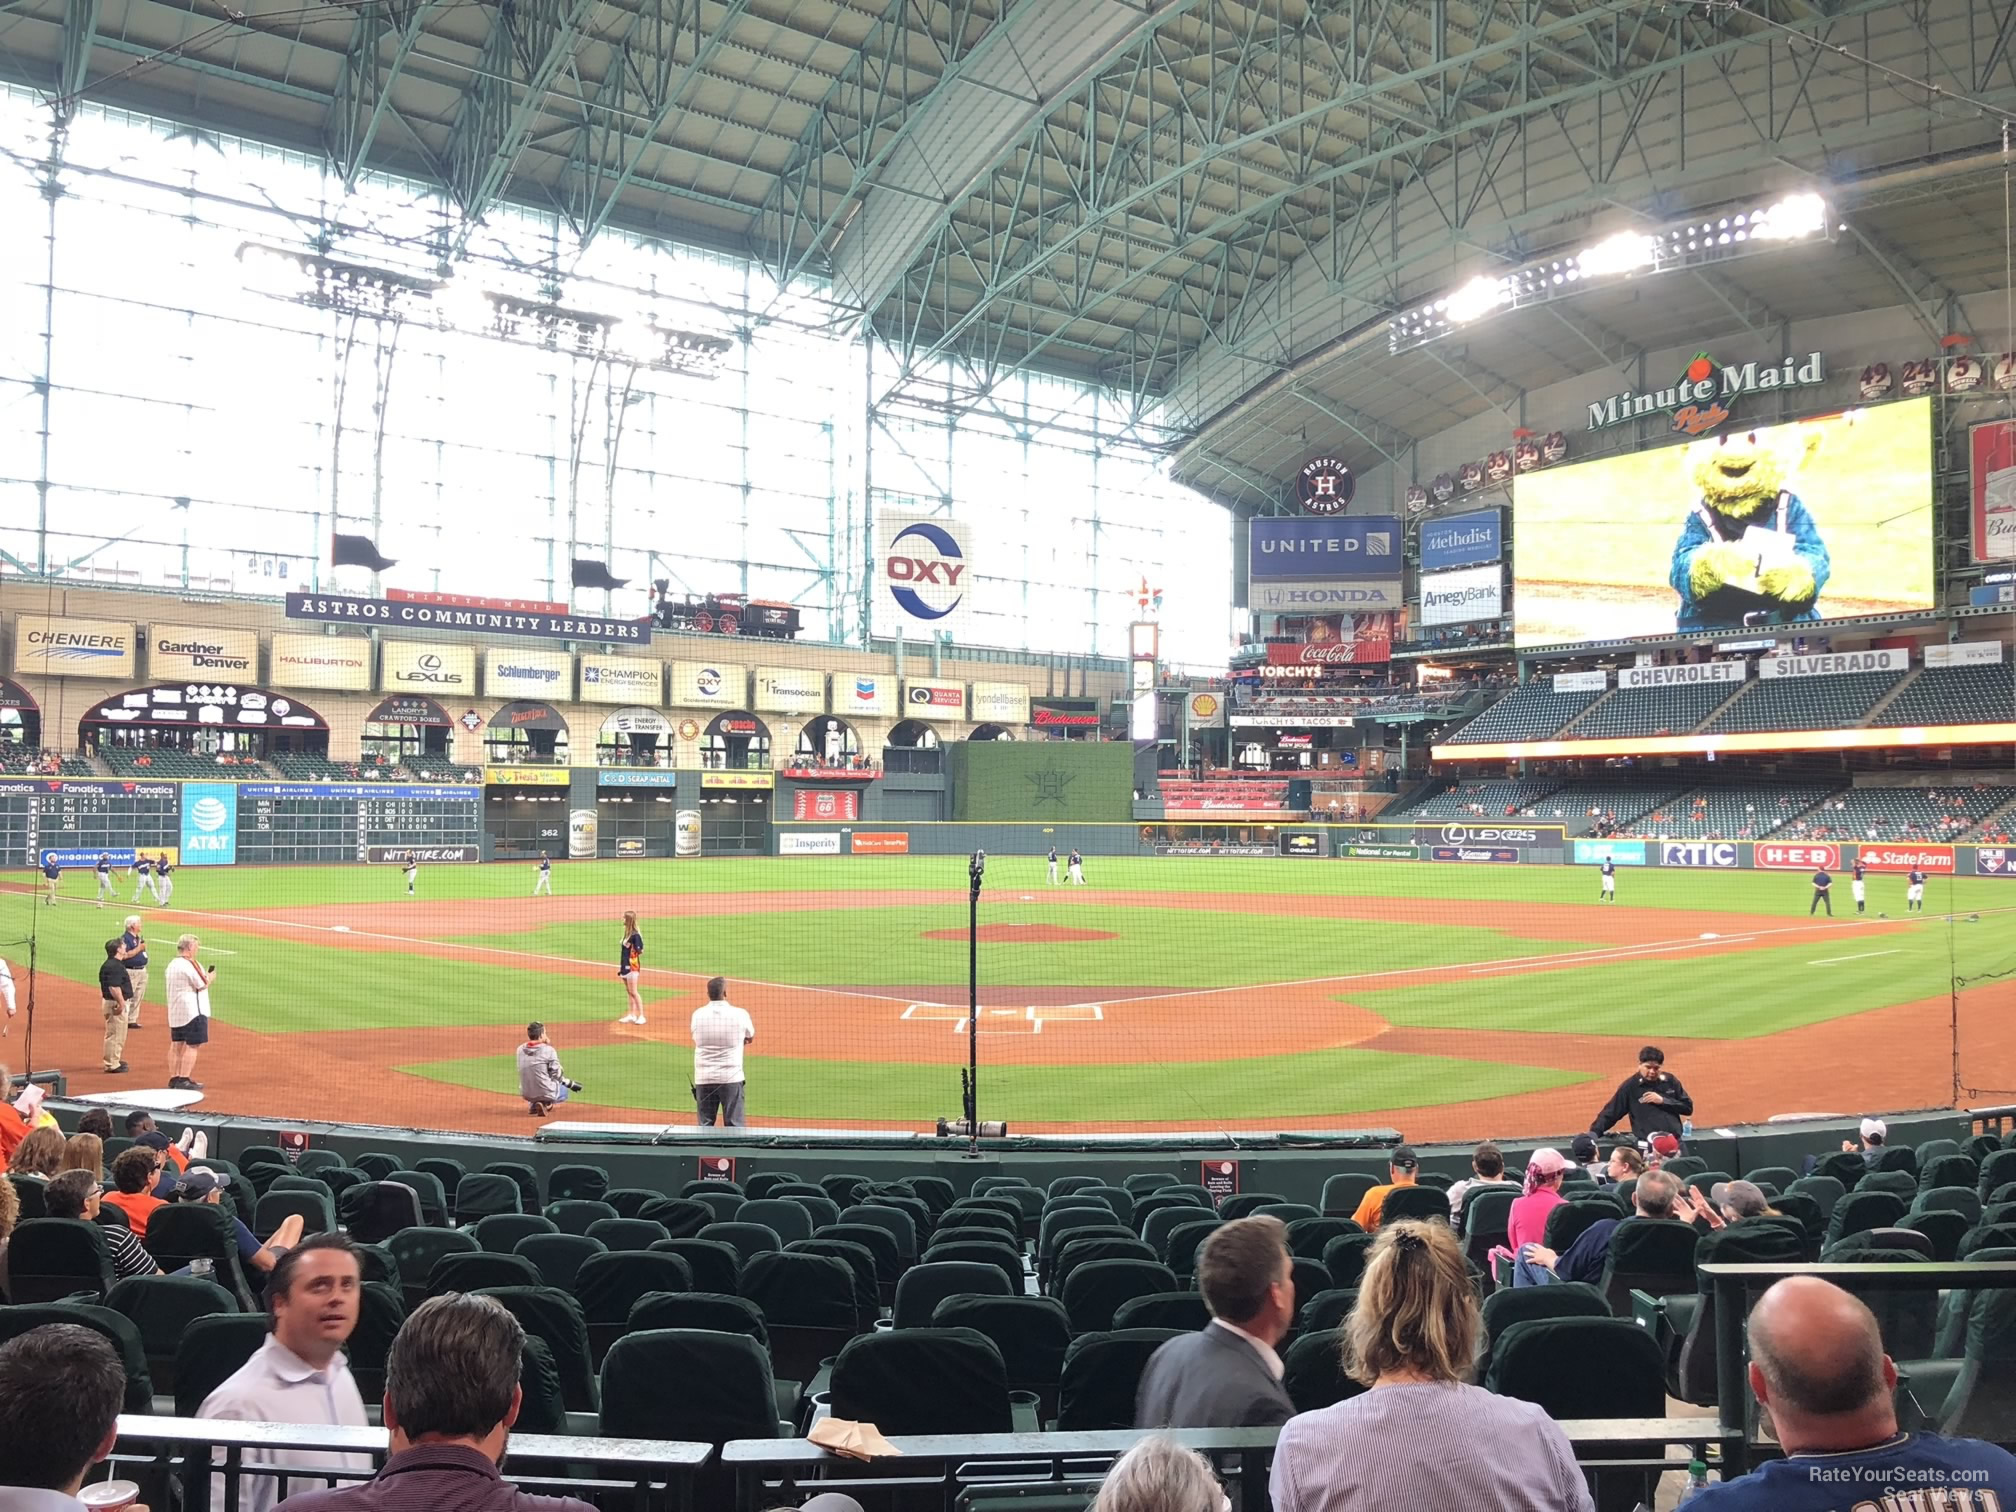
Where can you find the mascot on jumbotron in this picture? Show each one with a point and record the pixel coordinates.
(1749, 553)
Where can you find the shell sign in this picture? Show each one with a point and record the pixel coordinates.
(1207, 709)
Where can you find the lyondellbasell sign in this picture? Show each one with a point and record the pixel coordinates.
(1700, 400)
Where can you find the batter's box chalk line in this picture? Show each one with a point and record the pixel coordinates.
(933, 1012)
(1065, 1013)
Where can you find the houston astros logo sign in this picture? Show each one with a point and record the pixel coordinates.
(1324, 486)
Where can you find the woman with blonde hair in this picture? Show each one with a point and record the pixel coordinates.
(1160, 1475)
(10, 1214)
(38, 1155)
(84, 1152)
(1422, 1436)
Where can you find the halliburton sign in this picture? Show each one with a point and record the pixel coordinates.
(1904, 858)
(1774, 857)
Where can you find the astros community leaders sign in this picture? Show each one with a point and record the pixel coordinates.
(341, 609)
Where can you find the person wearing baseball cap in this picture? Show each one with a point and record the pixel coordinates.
(201, 1184)
(1651, 1097)
(1402, 1166)
(1728, 1202)
(1663, 1147)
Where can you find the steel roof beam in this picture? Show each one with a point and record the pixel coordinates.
(363, 94)
(73, 67)
(529, 43)
(1929, 300)
(638, 94)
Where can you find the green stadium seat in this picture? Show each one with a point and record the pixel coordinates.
(500, 1232)
(577, 1183)
(466, 1271)
(716, 1267)
(626, 1233)
(1097, 1290)
(1100, 1376)
(161, 1309)
(924, 1381)
(1313, 1373)
(558, 1258)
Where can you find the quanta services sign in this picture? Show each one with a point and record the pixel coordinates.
(1775, 857)
(1903, 858)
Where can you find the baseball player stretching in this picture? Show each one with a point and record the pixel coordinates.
(105, 889)
(545, 882)
(1855, 884)
(143, 877)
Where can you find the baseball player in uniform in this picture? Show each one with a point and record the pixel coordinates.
(630, 969)
(105, 878)
(545, 882)
(1053, 866)
(1077, 869)
(51, 874)
(1855, 885)
(1914, 891)
(1609, 893)
(164, 879)
(412, 874)
(143, 877)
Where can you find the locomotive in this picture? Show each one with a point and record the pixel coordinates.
(726, 614)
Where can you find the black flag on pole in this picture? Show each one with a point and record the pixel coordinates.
(358, 551)
(589, 574)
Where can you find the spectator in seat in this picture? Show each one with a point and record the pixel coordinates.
(451, 1396)
(10, 1214)
(1818, 1368)
(40, 1154)
(1582, 1151)
(299, 1374)
(74, 1194)
(96, 1121)
(61, 1389)
(1527, 1221)
(1538, 1265)
(133, 1176)
(1487, 1168)
(1727, 1202)
(84, 1152)
(13, 1127)
(204, 1185)
(1227, 1374)
(1158, 1475)
(1625, 1164)
(1421, 1436)
(1403, 1166)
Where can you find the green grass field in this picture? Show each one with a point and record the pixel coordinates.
(866, 929)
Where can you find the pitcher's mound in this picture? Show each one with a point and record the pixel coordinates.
(1024, 934)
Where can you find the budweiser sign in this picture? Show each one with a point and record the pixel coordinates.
(1904, 858)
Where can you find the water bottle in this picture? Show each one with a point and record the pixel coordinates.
(1686, 1128)
(1697, 1480)
(202, 1268)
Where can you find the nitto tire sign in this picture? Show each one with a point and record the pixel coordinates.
(399, 855)
(1716, 853)
(1774, 857)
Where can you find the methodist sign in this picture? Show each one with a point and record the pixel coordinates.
(1316, 565)
(1462, 540)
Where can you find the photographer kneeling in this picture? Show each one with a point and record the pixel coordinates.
(541, 1082)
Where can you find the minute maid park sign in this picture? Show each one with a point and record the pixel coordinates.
(1700, 400)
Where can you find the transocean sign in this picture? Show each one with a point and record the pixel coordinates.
(1700, 400)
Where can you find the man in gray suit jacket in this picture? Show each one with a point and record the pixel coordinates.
(1227, 1375)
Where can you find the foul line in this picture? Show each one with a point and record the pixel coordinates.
(1836, 960)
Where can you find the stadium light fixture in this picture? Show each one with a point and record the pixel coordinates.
(325, 283)
(1694, 243)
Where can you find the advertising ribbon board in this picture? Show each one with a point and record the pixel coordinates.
(528, 674)
(1965, 654)
(340, 663)
(1772, 856)
(336, 608)
(744, 780)
(57, 646)
(1931, 859)
(399, 855)
(881, 843)
(1681, 676)
(621, 679)
(1462, 540)
(1995, 861)
(923, 699)
(1320, 565)
(188, 653)
(792, 843)
(1617, 852)
(713, 685)
(1835, 663)
(1703, 853)
(527, 776)
(1381, 852)
(1501, 853)
(834, 805)
(1207, 848)
(636, 777)
(1580, 682)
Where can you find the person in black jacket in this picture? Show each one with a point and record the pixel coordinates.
(1226, 1374)
(1651, 1097)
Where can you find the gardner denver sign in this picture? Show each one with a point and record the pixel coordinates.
(1700, 400)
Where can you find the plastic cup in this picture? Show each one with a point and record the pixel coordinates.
(109, 1496)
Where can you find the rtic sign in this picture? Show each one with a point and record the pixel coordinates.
(1697, 853)
(1798, 857)
(1904, 858)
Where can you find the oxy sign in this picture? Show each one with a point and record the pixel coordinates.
(925, 566)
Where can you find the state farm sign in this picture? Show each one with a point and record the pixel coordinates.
(1798, 857)
(1904, 858)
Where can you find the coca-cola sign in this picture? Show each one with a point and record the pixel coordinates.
(1330, 654)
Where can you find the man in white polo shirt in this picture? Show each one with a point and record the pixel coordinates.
(720, 1030)
(299, 1375)
(188, 1013)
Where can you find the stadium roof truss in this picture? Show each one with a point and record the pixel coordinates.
(1208, 208)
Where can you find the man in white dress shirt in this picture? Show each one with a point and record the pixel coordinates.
(720, 1030)
(61, 1389)
(299, 1374)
